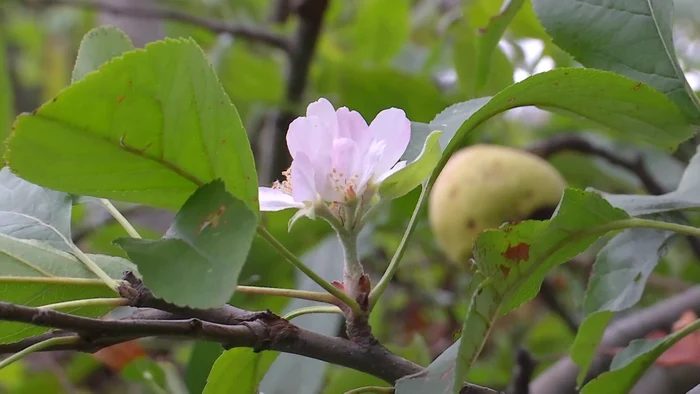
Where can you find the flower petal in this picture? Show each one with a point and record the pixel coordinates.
(346, 164)
(324, 111)
(303, 186)
(391, 126)
(276, 200)
(352, 125)
(307, 135)
(322, 178)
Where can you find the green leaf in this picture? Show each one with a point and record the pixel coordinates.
(419, 133)
(239, 371)
(617, 283)
(487, 42)
(35, 274)
(198, 261)
(631, 363)
(633, 38)
(148, 127)
(403, 181)
(513, 261)
(202, 359)
(28, 211)
(630, 109)
(99, 46)
(388, 19)
(687, 195)
(7, 109)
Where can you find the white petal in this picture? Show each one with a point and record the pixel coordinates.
(352, 125)
(324, 111)
(307, 135)
(275, 200)
(303, 188)
(322, 179)
(391, 126)
(399, 166)
(346, 164)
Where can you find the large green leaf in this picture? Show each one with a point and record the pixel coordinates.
(629, 365)
(28, 211)
(619, 275)
(99, 46)
(198, 261)
(631, 110)
(7, 109)
(629, 37)
(35, 274)
(687, 195)
(513, 261)
(239, 371)
(148, 127)
(388, 19)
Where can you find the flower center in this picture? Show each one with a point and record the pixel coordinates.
(286, 185)
(346, 186)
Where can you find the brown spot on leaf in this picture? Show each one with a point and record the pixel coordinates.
(212, 220)
(517, 253)
(129, 83)
(510, 100)
(556, 83)
(120, 99)
(505, 270)
(223, 142)
(471, 224)
(637, 86)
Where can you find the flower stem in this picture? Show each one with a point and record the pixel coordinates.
(394, 264)
(290, 293)
(290, 257)
(120, 218)
(353, 271)
(87, 302)
(311, 309)
(36, 347)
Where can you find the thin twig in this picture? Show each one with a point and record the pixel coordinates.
(216, 26)
(522, 375)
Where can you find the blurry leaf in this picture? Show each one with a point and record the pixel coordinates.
(198, 261)
(121, 355)
(7, 109)
(341, 380)
(36, 274)
(487, 42)
(633, 38)
(438, 378)
(28, 211)
(419, 133)
(159, 113)
(513, 261)
(617, 283)
(55, 65)
(388, 19)
(249, 77)
(101, 240)
(403, 181)
(144, 370)
(632, 110)
(629, 365)
(173, 381)
(99, 46)
(238, 370)
(369, 91)
(687, 195)
(203, 356)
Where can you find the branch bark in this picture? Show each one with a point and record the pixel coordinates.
(216, 26)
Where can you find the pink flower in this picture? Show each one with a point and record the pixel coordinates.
(337, 158)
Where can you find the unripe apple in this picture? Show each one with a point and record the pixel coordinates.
(484, 186)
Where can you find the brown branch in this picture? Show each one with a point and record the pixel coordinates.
(246, 32)
(310, 14)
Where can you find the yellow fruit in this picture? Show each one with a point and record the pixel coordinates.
(484, 186)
